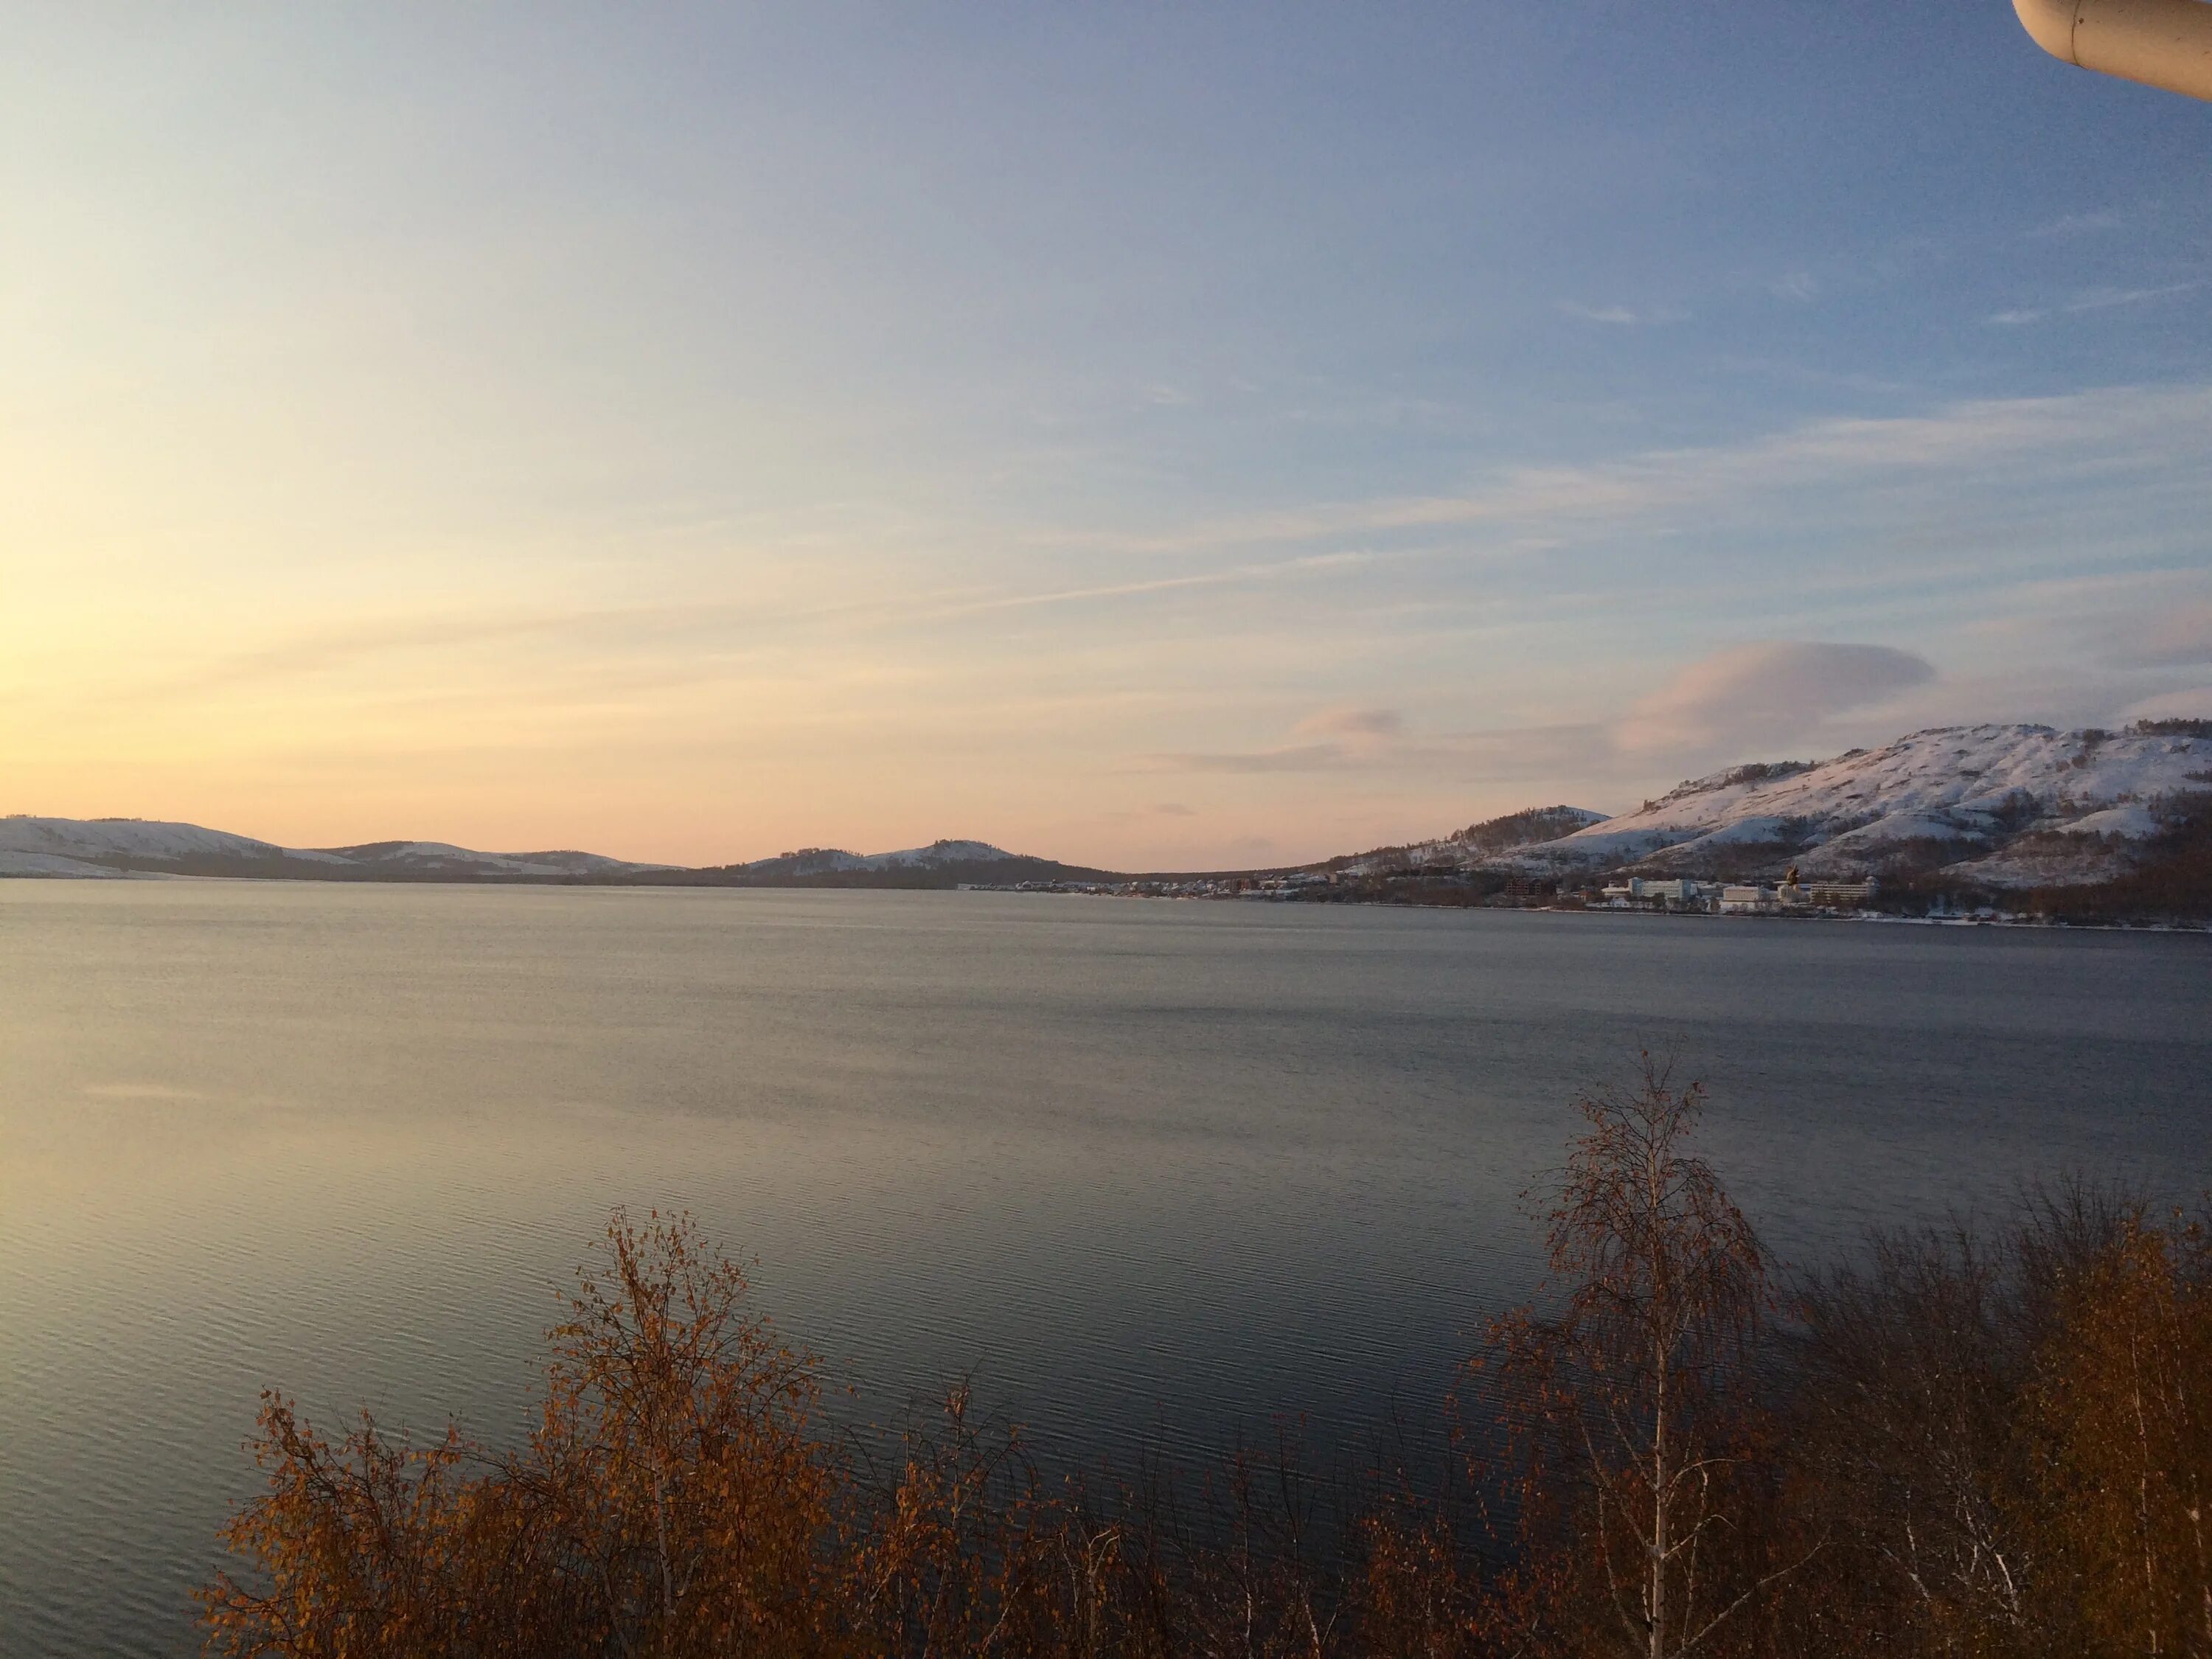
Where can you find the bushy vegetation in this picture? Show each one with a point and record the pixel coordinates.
(1960, 1443)
(1523, 829)
(2172, 877)
(2176, 728)
(1750, 772)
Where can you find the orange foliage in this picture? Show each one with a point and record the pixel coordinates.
(2123, 1408)
(1960, 1448)
(1630, 1398)
(677, 1497)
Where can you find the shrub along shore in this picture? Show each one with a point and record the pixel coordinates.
(1987, 1443)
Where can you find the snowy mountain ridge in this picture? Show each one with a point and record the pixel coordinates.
(127, 846)
(137, 847)
(831, 860)
(1998, 806)
(2007, 806)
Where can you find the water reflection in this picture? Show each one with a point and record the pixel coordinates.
(1147, 1169)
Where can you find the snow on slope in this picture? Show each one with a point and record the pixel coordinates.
(51, 864)
(937, 852)
(1477, 842)
(440, 858)
(110, 846)
(1967, 789)
(829, 861)
(89, 838)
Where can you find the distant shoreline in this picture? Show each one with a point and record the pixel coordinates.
(2007, 920)
(2161, 926)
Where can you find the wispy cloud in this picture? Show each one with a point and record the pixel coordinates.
(1738, 700)
(320, 650)
(1272, 571)
(2182, 639)
(2194, 704)
(2077, 224)
(466, 635)
(2096, 298)
(2106, 640)
(1621, 316)
(1581, 750)
(1353, 725)
(2142, 426)
(1292, 757)
(146, 1092)
(1279, 583)
(462, 636)
(1764, 693)
(1329, 739)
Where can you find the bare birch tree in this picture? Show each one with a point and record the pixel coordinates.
(1629, 1393)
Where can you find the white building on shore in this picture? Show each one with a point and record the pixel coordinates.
(1675, 892)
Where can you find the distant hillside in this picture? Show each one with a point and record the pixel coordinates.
(114, 847)
(117, 846)
(436, 861)
(2090, 822)
(940, 864)
(1537, 823)
(2000, 806)
(141, 847)
(1470, 846)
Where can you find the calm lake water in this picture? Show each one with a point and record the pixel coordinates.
(1149, 1170)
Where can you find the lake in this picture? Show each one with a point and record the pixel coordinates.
(1150, 1171)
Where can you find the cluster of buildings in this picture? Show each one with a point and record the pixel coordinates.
(1735, 898)
(1674, 893)
(1293, 885)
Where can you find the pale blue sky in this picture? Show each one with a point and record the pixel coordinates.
(1145, 435)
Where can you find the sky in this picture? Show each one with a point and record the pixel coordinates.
(1155, 437)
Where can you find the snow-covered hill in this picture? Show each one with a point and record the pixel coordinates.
(436, 858)
(135, 847)
(829, 861)
(127, 846)
(1521, 829)
(1999, 806)
(1477, 844)
(2007, 806)
(942, 864)
(115, 847)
